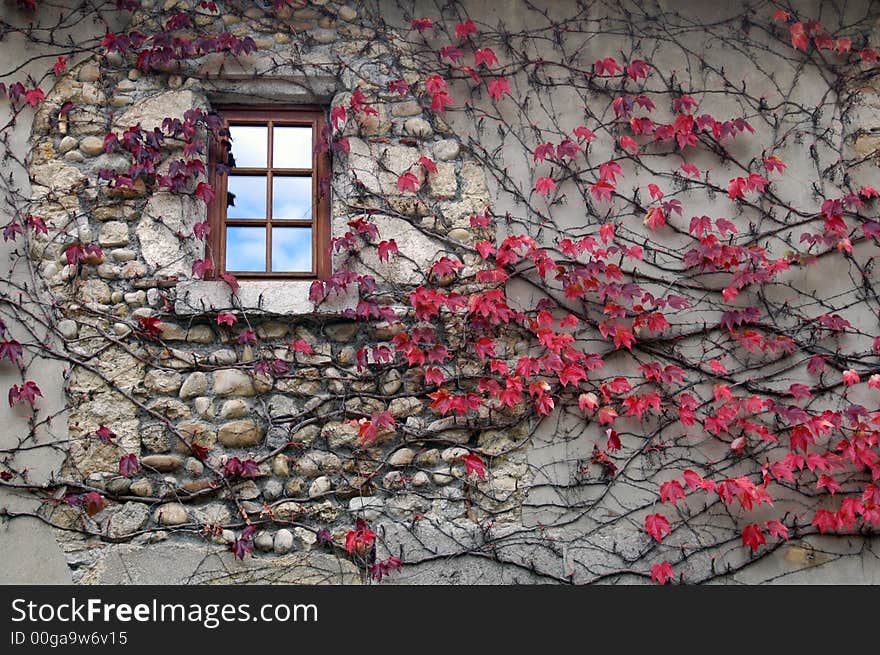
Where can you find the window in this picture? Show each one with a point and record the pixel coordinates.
(270, 217)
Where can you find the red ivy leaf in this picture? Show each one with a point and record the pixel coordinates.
(464, 29)
(204, 192)
(428, 164)
(777, 529)
(607, 66)
(74, 254)
(386, 248)
(422, 24)
(360, 539)
(231, 281)
(400, 87)
(408, 182)
(225, 318)
(545, 185)
(202, 230)
(671, 491)
(93, 503)
(485, 56)
(498, 87)
(249, 469)
(11, 350)
(753, 537)
(37, 224)
(129, 465)
(150, 325)
(613, 440)
(655, 218)
(202, 267)
(301, 346)
(657, 526)
(799, 39)
(317, 292)
(445, 266)
(105, 434)
(337, 117)
(34, 97)
(638, 68)
(474, 464)
(244, 544)
(662, 573)
(28, 392)
(690, 169)
(382, 568)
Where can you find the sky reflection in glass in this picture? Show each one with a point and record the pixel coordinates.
(249, 145)
(292, 147)
(292, 249)
(250, 196)
(292, 197)
(246, 249)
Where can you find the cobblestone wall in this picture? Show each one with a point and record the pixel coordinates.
(197, 381)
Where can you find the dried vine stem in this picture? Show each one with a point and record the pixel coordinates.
(612, 274)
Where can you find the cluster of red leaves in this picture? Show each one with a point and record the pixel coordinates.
(368, 428)
(91, 503)
(382, 568)
(22, 96)
(145, 149)
(244, 543)
(236, 468)
(360, 540)
(172, 44)
(26, 392)
(13, 229)
(590, 267)
(825, 448)
(803, 33)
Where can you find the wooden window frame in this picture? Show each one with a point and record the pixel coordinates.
(270, 116)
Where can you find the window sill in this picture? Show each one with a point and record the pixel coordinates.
(258, 296)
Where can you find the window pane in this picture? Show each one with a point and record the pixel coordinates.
(292, 197)
(246, 249)
(292, 147)
(249, 145)
(292, 249)
(246, 196)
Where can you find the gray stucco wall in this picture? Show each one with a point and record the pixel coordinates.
(30, 544)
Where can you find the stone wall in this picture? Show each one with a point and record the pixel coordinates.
(196, 383)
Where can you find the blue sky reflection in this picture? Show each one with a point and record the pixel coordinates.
(250, 196)
(249, 145)
(292, 197)
(245, 249)
(292, 249)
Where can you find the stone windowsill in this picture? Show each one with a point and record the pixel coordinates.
(261, 296)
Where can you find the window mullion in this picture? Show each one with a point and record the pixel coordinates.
(270, 161)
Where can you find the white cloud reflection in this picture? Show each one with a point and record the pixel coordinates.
(249, 145)
(250, 196)
(292, 249)
(292, 197)
(292, 147)
(245, 249)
